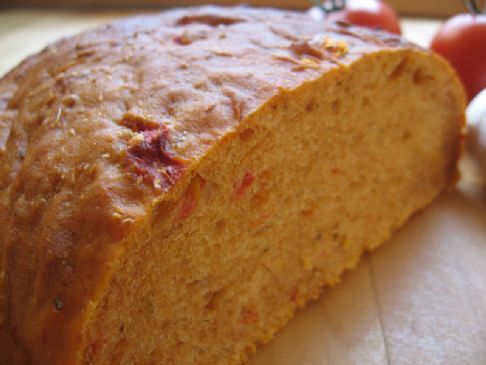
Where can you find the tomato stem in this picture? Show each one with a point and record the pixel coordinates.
(473, 7)
(329, 6)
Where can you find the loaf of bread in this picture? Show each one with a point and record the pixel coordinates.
(174, 186)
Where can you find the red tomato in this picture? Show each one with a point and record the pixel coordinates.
(368, 13)
(462, 41)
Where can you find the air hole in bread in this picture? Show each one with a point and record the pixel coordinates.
(336, 106)
(246, 135)
(191, 197)
(213, 299)
(406, 134)
(220, 224)
(311, 105)
(419, 77)
(398, 70)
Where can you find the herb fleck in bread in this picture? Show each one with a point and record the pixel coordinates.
(174, 186)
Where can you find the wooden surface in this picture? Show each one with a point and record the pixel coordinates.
(442, 8)
(405, 7)
(420, 299)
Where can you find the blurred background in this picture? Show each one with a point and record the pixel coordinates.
(431, 8)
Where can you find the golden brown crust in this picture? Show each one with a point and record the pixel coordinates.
(97, 127)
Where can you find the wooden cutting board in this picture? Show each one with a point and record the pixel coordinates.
(420, 299)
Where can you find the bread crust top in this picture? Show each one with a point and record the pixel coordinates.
(99, 127)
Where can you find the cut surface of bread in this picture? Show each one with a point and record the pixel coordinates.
(175, 186)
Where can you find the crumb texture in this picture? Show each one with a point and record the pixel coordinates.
(174, 186)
